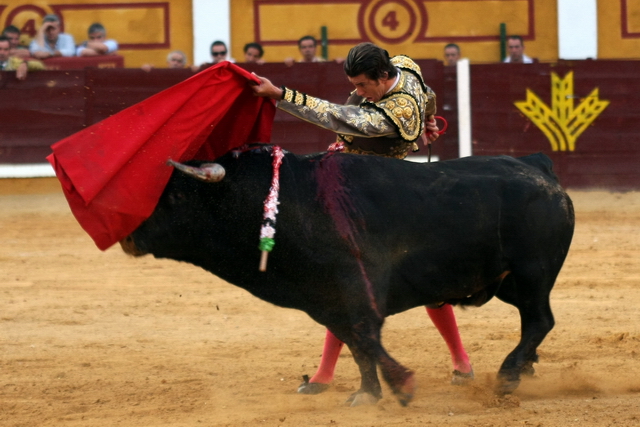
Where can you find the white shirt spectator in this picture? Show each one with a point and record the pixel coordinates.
(525, 59)
(65, 45)
(112, 46)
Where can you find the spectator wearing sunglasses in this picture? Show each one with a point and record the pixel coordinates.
(219, 53)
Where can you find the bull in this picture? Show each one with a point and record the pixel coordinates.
(360, 238)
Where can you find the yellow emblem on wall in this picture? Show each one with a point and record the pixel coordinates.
(562, 123)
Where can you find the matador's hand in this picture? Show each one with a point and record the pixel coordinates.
(431, 129)
(266, 88)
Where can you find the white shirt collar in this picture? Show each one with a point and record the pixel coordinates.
(396, 82)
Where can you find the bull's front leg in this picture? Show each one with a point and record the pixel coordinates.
(363, 340)
(370, 391)
(368, 353)
(400, 379)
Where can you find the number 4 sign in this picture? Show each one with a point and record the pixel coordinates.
(392, 21)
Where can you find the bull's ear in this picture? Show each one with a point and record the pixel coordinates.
(208, 172)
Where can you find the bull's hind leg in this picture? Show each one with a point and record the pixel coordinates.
(536, 319)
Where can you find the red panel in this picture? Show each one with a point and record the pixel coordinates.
(37, 112)
(51, 105)
(78, 63)
(113, 90)
(605, 155)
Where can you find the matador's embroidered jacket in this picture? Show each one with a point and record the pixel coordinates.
(389, 127)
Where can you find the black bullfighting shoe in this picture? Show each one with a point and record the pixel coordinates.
(311, 388)
(460, 378)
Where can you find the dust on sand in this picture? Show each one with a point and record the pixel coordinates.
(90, 338)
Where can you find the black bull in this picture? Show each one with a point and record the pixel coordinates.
(360, 238)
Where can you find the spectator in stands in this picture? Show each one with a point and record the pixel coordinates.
(451, 54)
(98, 44)
(13, 34)
(219, 53)
(49, 42)
(307, 46)
(175, 59)
(253, 53)
(15, 63)
(515, 48)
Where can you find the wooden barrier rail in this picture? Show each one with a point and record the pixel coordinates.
(79, 63)
(51, 105)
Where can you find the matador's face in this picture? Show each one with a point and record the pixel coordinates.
(371, 90)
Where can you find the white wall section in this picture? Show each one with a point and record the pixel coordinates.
(464, 108)
(577, 29)
(211, 21)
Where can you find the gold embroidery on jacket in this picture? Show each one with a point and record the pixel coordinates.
(288, 95)
(405, 114)
(397, 119)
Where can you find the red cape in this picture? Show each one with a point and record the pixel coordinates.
(113, 172)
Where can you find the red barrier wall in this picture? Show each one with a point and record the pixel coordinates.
(51, 105)
(606, 154)
(78, 63)
(93, 94)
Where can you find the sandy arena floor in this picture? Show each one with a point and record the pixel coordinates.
(90, 338)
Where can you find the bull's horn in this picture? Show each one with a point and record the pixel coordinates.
(208, 172)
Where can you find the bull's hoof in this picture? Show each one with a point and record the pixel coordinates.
(528, 369)
(312, 388)
(404, 394)
(507, 385)
(360, 398)
(460, 378)
(404, 398)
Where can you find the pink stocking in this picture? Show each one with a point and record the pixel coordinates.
(445, 321)
(330, 353)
